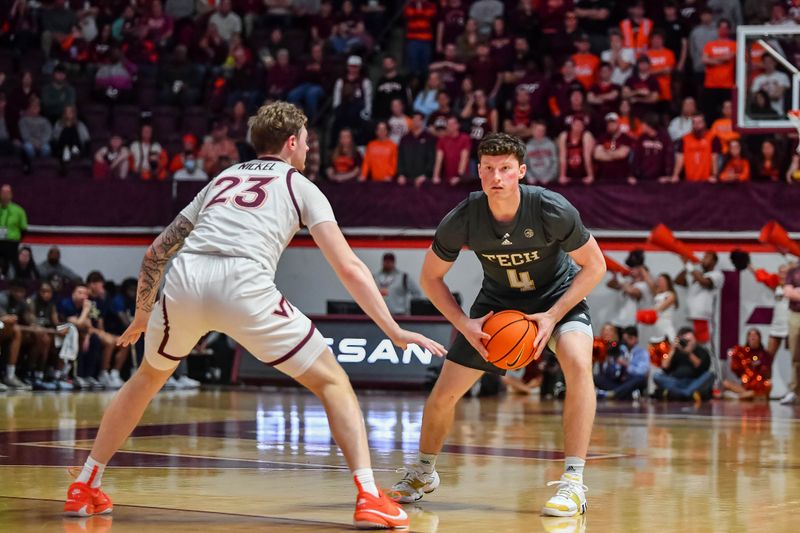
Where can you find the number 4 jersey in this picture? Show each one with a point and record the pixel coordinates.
(523, 260)
(252, 210)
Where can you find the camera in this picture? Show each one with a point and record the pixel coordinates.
(683, 343)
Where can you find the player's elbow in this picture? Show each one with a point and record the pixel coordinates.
(352, 271)
(596, 266)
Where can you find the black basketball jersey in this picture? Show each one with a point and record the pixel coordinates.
(525, 258)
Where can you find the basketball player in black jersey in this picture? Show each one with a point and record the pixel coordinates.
(538, 258)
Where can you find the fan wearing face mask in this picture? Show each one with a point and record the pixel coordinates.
(191, 170)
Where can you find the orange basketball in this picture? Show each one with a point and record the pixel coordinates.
(511, 343)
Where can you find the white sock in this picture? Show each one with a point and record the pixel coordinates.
(11, 371)
(427, 461)
(574, 467)
(115, 374)
(365, 480)
(92, 473)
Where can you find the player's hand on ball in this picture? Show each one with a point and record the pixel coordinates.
(131, 335)
(545, 324)
(405, 337)
(473, 332)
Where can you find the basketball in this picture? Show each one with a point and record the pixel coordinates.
(511, 344)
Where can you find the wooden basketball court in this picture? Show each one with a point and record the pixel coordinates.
(223, 460)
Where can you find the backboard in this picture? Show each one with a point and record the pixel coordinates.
(767, 59)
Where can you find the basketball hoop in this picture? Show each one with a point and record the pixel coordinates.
(794, 117)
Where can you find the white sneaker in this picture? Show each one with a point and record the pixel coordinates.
(14, 383)
(107, 381)
(185, 382)
(116, 380)
(82, 383)
(789, 399)
(569, 500)
(172, 383)
(415, 484)
(3, 387)
(94, 384)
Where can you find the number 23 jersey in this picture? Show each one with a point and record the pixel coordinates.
(252, 210)
(524, 258)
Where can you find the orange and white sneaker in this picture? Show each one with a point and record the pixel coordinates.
(82, 500)
(378, 513)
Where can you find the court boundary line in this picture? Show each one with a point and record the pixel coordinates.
(60, 444)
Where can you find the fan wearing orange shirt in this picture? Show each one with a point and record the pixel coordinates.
(722, 128)
(696, 154)
(662, 63)
(719, 58)
(736, 167)
(586, 63)
(380, 159)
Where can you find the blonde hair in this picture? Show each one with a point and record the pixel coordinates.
(273, 124)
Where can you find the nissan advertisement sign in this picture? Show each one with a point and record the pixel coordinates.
(366, 354)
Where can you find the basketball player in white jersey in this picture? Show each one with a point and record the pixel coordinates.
(226, 245)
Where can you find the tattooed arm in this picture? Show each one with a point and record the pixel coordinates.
(155, 259)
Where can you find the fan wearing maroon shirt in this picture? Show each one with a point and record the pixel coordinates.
(450, 69)
(575, 148)
(577, 108)
(524, 21)
(533, 82)
(452, 154)
(604, 96)
(642, 89)
(562, 88)
(653, 152)
(322, 23)
(452, 19)
(561, 44)
(309, 90)
(521, 118)
(612, 153)
(281, 76)
(501, 45)
(484, 72)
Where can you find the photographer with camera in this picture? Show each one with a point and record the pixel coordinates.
(686, 370)
(632, 363)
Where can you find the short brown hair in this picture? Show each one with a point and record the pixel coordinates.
(502, 144)
(273, 124)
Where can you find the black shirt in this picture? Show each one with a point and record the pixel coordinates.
(416, 155)
(674, 33)
(528, 254)
(597, 27)
(681, 366)
(386, 90)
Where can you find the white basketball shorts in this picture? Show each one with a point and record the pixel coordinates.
(235, 296)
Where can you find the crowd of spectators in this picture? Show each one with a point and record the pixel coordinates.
(59, 331)
(602, 90)
(124, 90)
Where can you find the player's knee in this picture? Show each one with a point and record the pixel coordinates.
(152, 376)
(443, 398)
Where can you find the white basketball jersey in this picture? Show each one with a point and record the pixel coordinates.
(252, 210)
